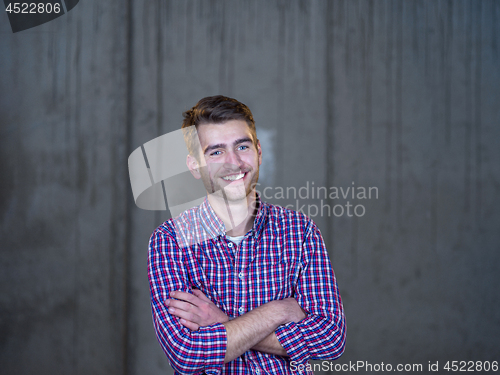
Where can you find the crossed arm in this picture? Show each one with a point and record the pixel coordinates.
(319, 335)
(253, 330)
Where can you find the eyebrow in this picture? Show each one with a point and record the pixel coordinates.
(242, 140)
(223, 145)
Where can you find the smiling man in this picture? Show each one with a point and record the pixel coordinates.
(254, 292)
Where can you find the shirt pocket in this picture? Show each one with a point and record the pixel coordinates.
(274, 273)
(208, 274)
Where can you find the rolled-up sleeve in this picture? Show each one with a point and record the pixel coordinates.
(321, 335)
(189, 352)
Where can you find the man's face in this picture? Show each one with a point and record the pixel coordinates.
(231, 157)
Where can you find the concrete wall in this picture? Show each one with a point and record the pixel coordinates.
(398, 95)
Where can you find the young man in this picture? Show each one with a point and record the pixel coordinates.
(253, 291)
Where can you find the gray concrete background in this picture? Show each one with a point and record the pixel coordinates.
(399, 95)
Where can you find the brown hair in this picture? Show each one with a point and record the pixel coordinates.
(213, 110)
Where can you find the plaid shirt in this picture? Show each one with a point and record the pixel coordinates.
(282, 256)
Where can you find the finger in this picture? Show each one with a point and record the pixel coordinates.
(192, 326)
(179, 304)
(198, 293)
(184, 315)
(188, 297)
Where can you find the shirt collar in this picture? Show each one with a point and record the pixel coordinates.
(212, 224)
(260, 218)
(215, 226)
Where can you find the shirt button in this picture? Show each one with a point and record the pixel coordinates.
(241, 310)
(257, 371)
(240, 275)
(230, 244)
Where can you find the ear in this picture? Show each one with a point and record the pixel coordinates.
(193, 166)
(259, 152)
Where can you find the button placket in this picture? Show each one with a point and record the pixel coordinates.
(240, 262)
(241, 285)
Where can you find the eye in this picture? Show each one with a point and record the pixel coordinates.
(242, 147)
(215, 153)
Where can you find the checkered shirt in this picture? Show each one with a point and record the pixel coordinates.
(282, 256)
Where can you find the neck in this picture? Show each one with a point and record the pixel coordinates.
(238, 216)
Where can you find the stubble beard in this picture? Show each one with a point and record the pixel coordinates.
(233, 193)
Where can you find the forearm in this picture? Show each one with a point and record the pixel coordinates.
(271, 345)
(250, 329)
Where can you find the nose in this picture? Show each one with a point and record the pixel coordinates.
(232, 160)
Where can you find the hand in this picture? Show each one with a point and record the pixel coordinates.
(195, 310)
(294, 313)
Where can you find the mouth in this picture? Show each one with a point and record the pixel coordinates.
(234, 177)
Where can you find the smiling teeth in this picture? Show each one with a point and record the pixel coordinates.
(234, 177)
